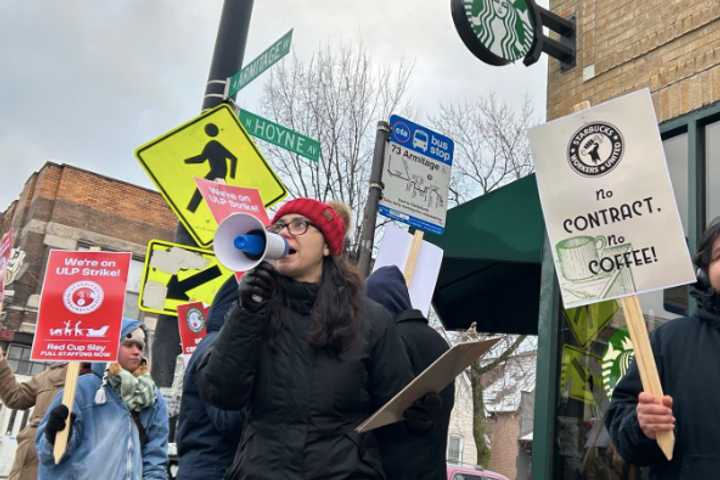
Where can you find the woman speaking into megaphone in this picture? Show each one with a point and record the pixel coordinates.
(306, 355)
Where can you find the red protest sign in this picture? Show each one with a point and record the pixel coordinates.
(81, 307)
(192, 323)
(225, 200)
(6, 244)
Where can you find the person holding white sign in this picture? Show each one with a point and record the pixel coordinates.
(308, 355)
(687, 351)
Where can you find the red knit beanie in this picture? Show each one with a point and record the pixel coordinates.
(320, 214)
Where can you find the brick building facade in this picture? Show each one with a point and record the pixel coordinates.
(670, 46)
(65, 207)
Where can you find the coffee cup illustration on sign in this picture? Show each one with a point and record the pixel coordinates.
(622, 280)
(575, 254)
(588, 269)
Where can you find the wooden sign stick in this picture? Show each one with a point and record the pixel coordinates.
(412, 256)
(61, 439)
(645, 360)
(635, 321)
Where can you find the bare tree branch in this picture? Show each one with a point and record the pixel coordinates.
(336, 97)
(491, 146)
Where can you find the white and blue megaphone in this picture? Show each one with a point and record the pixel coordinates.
(241, 243)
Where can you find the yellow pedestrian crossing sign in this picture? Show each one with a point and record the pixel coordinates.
(176, 274)
(213, 146)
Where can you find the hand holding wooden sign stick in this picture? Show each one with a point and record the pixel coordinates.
(646, 362)
(644, 357)
(613, 237)
(61, 439)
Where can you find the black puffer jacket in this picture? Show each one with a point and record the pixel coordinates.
(423, 345)
(303, 403)
(687, 352)
(207, 436)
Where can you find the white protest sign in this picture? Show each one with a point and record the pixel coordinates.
(395, 249)
(608, 203)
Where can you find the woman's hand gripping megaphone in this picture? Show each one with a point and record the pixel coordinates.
(257, 286)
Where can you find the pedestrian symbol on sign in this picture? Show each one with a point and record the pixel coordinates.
(216, 155)
(213, 146)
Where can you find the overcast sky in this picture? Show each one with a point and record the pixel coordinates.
(85, 82)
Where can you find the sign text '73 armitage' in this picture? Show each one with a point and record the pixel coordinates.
(416, 175)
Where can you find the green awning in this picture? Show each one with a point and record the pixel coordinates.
(490, 272)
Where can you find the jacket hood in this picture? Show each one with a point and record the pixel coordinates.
(128, 325)
(224, 299)
(386, 285)
(708, 303)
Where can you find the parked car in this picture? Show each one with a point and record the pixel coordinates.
(472, 472)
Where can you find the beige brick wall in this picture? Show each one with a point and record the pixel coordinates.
(670, 46)
(504, 429)
(461, 420)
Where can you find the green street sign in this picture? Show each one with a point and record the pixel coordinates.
(283, 137)
(261, 63)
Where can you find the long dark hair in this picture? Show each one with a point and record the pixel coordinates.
(335, 313)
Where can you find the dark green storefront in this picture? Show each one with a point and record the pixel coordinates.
(495, 274)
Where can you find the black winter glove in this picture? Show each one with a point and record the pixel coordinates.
(257, 286)
(425, 413)
(56, 422)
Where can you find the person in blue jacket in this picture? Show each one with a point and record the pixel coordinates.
(207, 436)
(119, 423)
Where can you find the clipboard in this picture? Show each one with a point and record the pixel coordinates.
(433, 379)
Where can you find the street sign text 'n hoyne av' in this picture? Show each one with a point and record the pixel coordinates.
(283, 137)
(261, 63)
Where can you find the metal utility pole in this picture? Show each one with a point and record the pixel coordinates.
(227, 59)
(371, 207)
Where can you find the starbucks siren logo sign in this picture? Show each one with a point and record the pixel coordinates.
(616, 360)
(496, 31)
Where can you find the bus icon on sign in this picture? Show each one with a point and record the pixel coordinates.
(420, 140)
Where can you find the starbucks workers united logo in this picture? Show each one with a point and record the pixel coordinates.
(595, 149)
